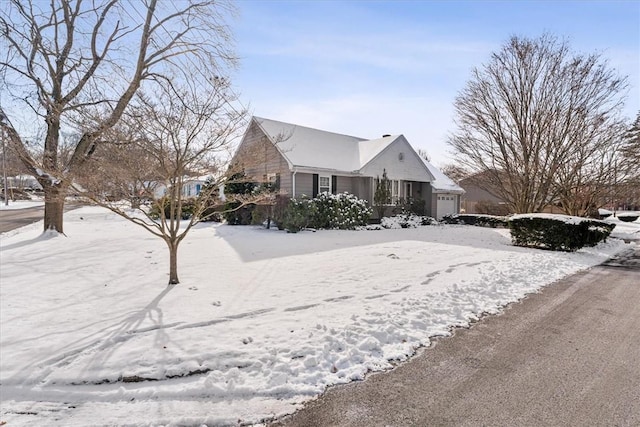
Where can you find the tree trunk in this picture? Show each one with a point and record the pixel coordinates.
(173, 262)
(53, 208)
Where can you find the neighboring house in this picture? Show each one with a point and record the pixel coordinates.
(306, 161)
(191, 187)
(477, 199)
(23, 182)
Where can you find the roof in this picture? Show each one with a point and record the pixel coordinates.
(442, 183)
(299, 145)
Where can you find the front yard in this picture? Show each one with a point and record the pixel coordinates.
(261, 322)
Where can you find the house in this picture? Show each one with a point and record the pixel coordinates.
(305, 162)
(191, 186)
(480, 198)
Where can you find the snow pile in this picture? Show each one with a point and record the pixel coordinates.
(261, 322)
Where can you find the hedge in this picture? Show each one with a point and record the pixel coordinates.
(479, 220)
(557, 232)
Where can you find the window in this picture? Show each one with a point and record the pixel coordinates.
(324, 184)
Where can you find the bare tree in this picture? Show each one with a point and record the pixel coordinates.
(423, 154)
(536, 115)
(455, 172)
(627, 182)
(68, 59)
(177, 131)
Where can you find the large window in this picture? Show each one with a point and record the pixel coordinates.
(324, 184)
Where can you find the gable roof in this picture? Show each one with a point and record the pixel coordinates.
(300, 146)
(442, 183)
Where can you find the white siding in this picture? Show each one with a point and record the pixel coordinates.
(400, 161)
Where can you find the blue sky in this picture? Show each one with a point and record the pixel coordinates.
(367, 68)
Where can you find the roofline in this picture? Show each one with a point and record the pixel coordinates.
(308, 127)
(274, 143)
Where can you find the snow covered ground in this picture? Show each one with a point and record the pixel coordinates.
(261, 322)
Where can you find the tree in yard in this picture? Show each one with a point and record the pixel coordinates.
(536, 121)
(627, 187)
(423, 154)
(179, 131)
(455, 172)
(382, 194)
(77, 65)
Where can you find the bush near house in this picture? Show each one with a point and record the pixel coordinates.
(188, 208)
(407, 220)
(479, 220)
(342, 211)
(557, 232)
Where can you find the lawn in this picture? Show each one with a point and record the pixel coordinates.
(261, 322)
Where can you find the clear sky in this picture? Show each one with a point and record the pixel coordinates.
(367, 68)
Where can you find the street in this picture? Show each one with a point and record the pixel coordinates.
(11, 219)
(569, 355)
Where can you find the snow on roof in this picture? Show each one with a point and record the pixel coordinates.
(442, 183)
(299, 144)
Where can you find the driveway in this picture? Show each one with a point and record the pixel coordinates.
(569, 355)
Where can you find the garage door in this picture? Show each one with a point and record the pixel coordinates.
(446, 206)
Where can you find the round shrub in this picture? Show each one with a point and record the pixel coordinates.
(342, 211)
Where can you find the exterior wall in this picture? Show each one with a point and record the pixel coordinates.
(304, 185)
(259, 157)
(432, 201)
(475, 194)
(409, 168)
(345, 183)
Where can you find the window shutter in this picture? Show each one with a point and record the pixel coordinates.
(315, 185)
(334, 184)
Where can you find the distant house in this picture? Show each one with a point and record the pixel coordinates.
(479, 198)
(192, 186)
(23, 182)
(305, 162)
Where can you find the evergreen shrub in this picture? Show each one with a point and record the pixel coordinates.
(342, 211)
(557, 232)
(188, 208)
(479, 220)
(628, 218)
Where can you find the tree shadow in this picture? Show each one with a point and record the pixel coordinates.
(256, 243)
(101, 345)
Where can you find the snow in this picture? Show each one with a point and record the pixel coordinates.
(567, 219)
(442, 183)
(261, 322)
(625, 230)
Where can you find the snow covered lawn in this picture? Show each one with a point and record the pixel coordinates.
(262, 321)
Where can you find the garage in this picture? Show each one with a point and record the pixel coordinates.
(446, 205)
